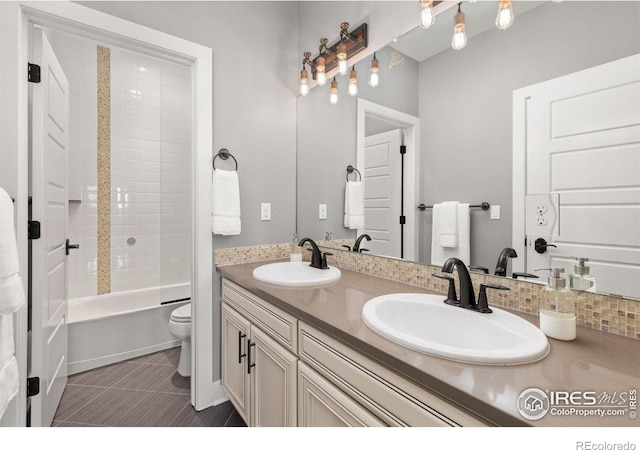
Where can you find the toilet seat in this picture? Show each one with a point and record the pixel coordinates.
(182, 314)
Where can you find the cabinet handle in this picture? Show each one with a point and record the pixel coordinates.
(249, 363)
(241, 355)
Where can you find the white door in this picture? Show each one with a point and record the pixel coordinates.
(382, 193)
(49, 101)
(584, 144)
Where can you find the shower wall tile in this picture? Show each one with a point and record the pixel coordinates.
(150, 167)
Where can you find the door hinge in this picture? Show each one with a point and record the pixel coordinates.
(403, 149)
(33, 386)
(34, 229)
(403, 220)
(33, 75)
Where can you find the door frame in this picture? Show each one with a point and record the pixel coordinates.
(78, 19)
(411, 160)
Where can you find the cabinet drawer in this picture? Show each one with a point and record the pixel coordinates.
(279, 325)
(395, 400)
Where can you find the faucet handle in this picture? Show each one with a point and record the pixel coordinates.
(523, 275)
(483, 303)
(348, 247)
(324, 260)
(479, 269)
(363, 250)
(452, 298)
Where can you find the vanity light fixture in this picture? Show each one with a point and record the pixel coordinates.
(353, 82)
(459, 40)
(304, 81)
(373, 77)
(505, 14)
(427, 17)
(321, 75)
(333, 98)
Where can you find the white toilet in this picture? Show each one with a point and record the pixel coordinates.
(180, 327)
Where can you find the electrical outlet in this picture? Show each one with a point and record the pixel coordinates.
(265, 211)
(322, 211)
(542, 214)
(542, 220)
(542, 208)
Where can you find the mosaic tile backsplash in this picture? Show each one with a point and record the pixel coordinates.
(606, 313)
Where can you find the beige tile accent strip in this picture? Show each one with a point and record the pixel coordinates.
(606, 313)
(104, 170)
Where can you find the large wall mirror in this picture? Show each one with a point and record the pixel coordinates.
(463, 101)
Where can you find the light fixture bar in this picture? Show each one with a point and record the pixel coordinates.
(357, 42)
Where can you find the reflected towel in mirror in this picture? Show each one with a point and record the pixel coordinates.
(354, 205)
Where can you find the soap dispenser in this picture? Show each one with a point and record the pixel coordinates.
(296, 250)
(580, 279)
(558, 308)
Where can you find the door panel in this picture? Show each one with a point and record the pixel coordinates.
(382, 186)
(583, 143)
(48, 178)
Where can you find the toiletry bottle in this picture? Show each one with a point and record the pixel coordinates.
(296, 250)
(558, 308)
(580, 279)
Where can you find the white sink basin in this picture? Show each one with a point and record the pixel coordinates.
(295, 274)
(425, 323)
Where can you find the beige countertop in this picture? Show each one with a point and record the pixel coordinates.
(595, 362)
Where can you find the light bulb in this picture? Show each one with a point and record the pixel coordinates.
(427, 17)
(341, 54)
(333, 98)
(373, 77)
(459, 40)
(505, 15)
(321, 76)
(353, 82)
(304, 82)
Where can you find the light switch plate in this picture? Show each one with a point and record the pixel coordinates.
(265, 211)
(322, 211)
(495, 212)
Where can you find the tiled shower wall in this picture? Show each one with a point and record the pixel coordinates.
(150, 165)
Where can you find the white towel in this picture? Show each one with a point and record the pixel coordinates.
(225, 210)
(353, 205)
(12, 296)
(440, 254)
(446, 214)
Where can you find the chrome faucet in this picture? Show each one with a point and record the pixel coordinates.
(318, 259)
(356, 246)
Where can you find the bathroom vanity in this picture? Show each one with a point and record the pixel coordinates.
(304, 357)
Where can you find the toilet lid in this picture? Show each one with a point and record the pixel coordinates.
(182, 314)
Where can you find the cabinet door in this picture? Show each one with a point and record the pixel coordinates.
(321, 404)
(273, 382)
(235, 379)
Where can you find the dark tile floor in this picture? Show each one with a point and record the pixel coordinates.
(141, 392)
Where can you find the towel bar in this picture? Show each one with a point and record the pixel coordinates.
(483, 206)
(224, 155)
(350, 169)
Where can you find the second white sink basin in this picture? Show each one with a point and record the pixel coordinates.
(295, 274)
(425, 323)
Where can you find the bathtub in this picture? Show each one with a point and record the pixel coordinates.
(109, 328)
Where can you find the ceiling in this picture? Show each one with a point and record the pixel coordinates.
(421, 43)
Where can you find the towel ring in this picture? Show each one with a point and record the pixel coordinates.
(224, 155)
(350, 169)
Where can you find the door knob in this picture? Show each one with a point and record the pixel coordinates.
(541, 245)
(69, 246)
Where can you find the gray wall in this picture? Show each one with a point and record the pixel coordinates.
(254, 105)
(466, 104)
(327, 139)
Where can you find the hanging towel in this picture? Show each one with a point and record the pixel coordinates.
(12, 298)
(447, 216)
(440, 254)
(11, 289)
(225, 195)
(353, 205)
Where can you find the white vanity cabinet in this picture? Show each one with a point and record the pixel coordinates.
(259, 364)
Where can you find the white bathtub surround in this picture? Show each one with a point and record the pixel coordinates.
(114, 327)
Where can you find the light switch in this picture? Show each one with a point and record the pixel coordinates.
(265, 211)
(322, 211)
(495, 212)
